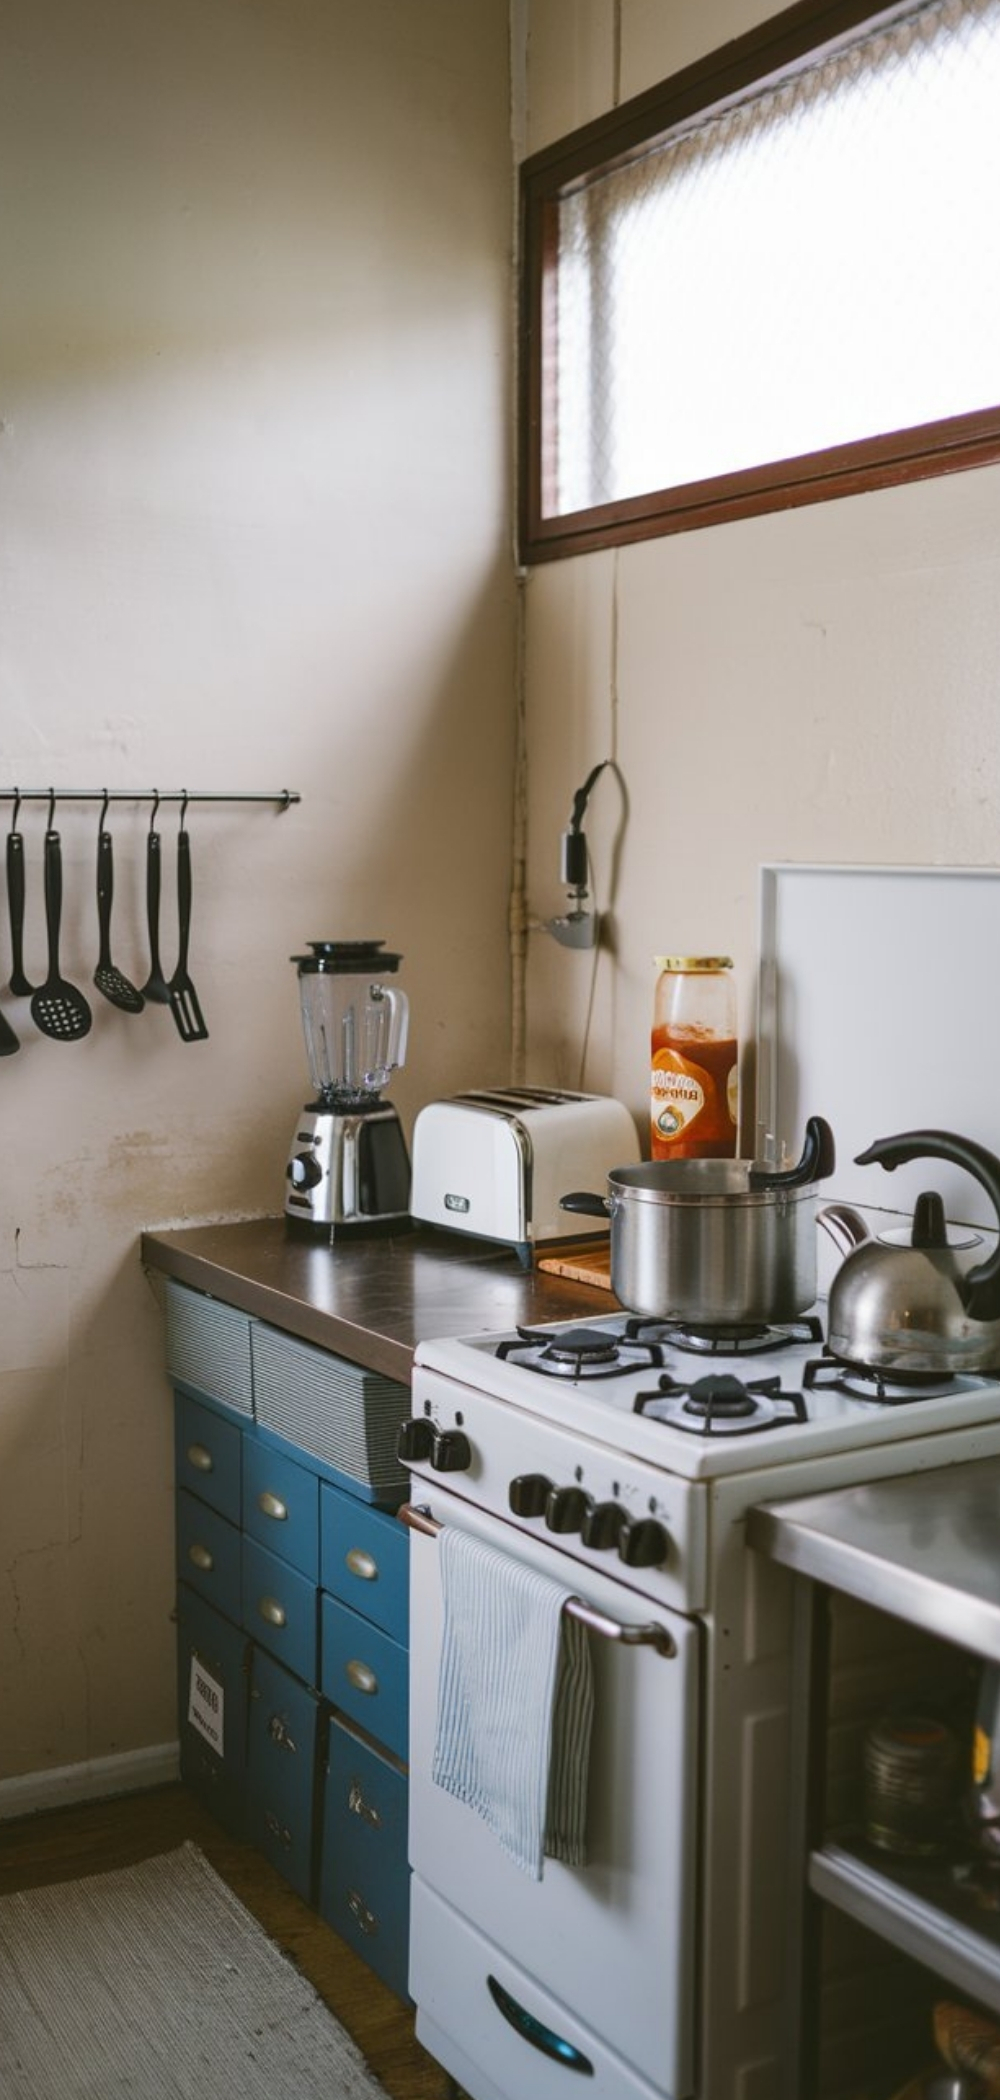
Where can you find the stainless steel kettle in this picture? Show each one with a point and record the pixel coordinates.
(912, 1303)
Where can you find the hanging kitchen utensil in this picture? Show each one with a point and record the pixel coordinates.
(9, 1042)
(910, 1302)
(15, 901)
(156, 986)
(58, 1009)
(183, 997)
(112, 982)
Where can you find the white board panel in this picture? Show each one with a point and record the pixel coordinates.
(879, 1008)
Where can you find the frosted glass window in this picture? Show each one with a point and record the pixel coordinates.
(810, 266)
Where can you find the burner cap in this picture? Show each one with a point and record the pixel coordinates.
(723, 1395)
(579, 1345)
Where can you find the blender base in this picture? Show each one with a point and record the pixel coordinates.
(349, 1172)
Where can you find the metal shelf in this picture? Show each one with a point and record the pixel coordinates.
(916, 1910)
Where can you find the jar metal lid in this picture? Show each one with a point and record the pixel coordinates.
(693, 962)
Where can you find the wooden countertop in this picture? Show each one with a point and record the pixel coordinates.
(374, 1299)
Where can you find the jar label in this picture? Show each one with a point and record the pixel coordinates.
(677, 1094)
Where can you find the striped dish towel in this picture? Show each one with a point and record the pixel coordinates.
(515, 1703)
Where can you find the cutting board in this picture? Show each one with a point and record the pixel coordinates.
(582, 1264)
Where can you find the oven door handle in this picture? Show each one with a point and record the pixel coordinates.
(651, 1636)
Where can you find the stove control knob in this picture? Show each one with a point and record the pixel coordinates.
(566, 1508)
(528, 1494)
(602, 1526)
(643, 1544)
(415, 1440)
(304, 1171)
(452, 1451)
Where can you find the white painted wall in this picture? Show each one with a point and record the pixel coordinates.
(819, 684)
(254, 461)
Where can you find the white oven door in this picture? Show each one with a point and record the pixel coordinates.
(520, 1984)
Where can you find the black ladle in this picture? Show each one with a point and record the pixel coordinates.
(15, 899)
(58, 1009)
(156, 986)
(109, 980)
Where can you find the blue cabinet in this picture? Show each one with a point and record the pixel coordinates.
(292, 1612)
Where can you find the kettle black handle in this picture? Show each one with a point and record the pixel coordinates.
(819, 1157)
(981, 1287)
(588, 1205)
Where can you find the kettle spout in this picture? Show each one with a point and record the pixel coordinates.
(846, 1227)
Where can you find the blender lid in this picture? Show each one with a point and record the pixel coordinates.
(346, 957)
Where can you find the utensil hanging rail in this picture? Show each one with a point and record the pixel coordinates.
(651, 1636)
(282, 797)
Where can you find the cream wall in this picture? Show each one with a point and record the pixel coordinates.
(820, 684)
(254, 462)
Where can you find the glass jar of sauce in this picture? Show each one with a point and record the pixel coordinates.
(694, 1081)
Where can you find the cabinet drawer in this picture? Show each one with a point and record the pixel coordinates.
(282, 1737)
(207, 1456)
(364, 1880)
(364, 1673)
(208, 1554)
(343, 1414)
(208, 1347)
(212, 1706)
(365, 1559)
(279, 1609)
(281, 1506)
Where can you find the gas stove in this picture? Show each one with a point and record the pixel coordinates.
(701, 1402)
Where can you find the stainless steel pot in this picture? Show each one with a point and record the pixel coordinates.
(718, 1242)
(914, 1304)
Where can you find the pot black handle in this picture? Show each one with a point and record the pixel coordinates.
(819, 1157)
(589, 1206)
(981, 1287)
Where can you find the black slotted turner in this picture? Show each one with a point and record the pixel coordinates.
(183, 998)
(58, 1009)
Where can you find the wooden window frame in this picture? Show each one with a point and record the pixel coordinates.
(786, 43)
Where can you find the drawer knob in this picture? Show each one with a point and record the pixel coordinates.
(279, 1734)
(362, 1676)
(272, 1506)
(365, 1918)
(358, 1562)
(200, 1458)
(273, 1613)
(358, 1806)
(278, 1830)
(200, 1557)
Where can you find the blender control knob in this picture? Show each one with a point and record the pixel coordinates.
(643, 1544)
(452, 1451)
(528, 1494)
(566, 1508)
(415, 1440)
(602, 1526)
(304, 1171)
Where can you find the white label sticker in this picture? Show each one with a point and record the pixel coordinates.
(206, 1705)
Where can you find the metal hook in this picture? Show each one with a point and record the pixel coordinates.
(104, 811)
(52, 808)
(17, 806)
(184, 804)
(156, 805)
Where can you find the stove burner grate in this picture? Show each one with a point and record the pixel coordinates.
(833, 1374)
(579, 1352)
(721, 1403)
(710, 1338)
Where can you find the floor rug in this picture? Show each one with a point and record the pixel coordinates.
(154, 1983)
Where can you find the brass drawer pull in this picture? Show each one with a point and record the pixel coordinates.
(358, 1562)
(358, 1806)
(279, 1734)
(366, 1918)
(362, 1676)
(200, 1458)
(272, 1506)
(200, 1557)
(277, 1830)
(273, 1613)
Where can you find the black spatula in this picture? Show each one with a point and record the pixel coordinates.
(183, 997)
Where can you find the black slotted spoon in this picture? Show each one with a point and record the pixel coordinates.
(156, 986)
(109, 980)
(183, 998)
(58, 1009)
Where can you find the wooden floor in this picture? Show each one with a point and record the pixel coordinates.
(70, 1842)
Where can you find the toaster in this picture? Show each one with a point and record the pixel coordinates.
(495, 1162)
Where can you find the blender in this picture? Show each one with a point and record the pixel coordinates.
(348, 1170)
